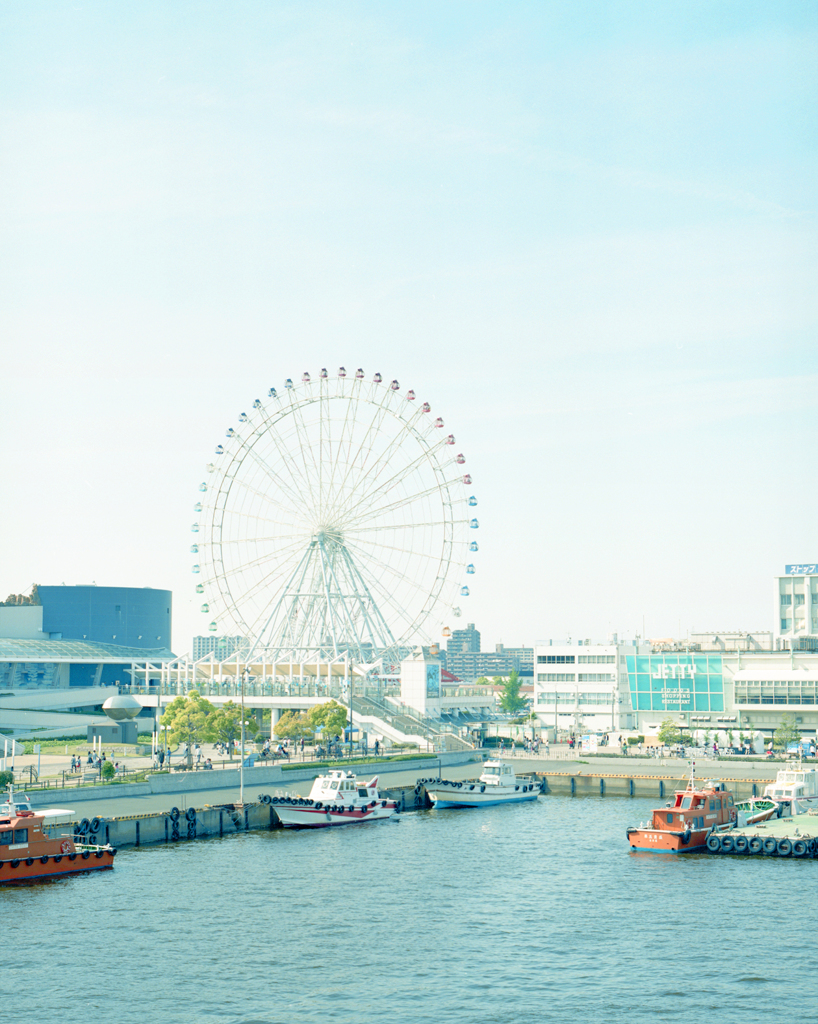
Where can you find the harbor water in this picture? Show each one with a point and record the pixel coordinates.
(503, 915)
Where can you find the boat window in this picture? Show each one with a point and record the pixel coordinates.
(670, 819)
(712, 805)
(492, 771)
(361, 791)
(685, 803)
(21, 835)
(5, 838)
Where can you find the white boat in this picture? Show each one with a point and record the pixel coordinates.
(336, 798)
(497, 784)
(795, 790)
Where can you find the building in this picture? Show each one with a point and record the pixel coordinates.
(464, 658)
(63, 648)
(583, 688)
(796, 608)
(221, 646)
(464, 641)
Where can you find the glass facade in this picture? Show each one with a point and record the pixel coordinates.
(676, 682)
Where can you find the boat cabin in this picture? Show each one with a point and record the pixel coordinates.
(798, 785)
(497, 773)
(696, 808)
(341, 786)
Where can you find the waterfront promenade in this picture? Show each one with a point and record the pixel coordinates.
(184, 789)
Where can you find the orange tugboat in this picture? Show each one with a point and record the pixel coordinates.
(685, 822)
(28, 851)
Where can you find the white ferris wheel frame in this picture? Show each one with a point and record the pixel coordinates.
(334, 534)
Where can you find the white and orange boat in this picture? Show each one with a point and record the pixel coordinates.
(29, 851)
(685, 822)
(336, 798)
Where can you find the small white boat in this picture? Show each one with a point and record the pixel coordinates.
(497, 784)
(795, 790)
(336, 798)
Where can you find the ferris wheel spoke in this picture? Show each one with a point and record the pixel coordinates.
(286, 509)
(356, 461)
(414, 552)
(384, 510)
(253, 563)
(383, 460)
(304, 446)
(388, 486)
(276, 479)
(388, 597)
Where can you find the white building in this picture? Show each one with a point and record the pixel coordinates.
(796, 608)
(583, 688)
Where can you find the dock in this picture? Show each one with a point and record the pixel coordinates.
(779, 837)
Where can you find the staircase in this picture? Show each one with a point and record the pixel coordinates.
(407, 725)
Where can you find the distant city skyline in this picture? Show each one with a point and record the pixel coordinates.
(584, 233)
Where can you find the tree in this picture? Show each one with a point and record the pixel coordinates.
(669, 733)
(331, 717)
(786, 733)
(6, 778)
(226, 724)
(108, 771)
(511, 700)
(293, 725)
(189, 720)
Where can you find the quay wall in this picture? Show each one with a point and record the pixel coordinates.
(188, 782)
(662, 788)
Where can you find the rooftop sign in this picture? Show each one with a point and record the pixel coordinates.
(802, 569)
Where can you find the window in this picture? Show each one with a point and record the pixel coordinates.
(555, 659)
(786, 599)
(596, 677)
(20, 835)
(786, 625)
(5, 838)
(597, 659)
(799, 599)
(560, 677)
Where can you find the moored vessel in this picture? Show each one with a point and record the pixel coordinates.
(685, 822)
(336, 798)
(497, 784)
(28, 850)
(794, 791)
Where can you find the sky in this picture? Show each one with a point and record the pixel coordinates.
(585, 232)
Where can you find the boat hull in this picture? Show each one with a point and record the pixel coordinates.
(20, 870)
(292, 816)
(649, 840)
(474, 798)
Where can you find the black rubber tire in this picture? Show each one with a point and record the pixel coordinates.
(318, 806)
(72, 856)
(43, 860)
(190, 814)
(100, 854)
(483, 789)
(14, 863)
(83, 827)
(95, 824)
(755, 844)
(799, 848)
(784, 848)
(174, 814)
(86, 854)
(742, 844)
(727, 844)
(29, 861)
(58, 858)
(769, 845)
(713, 843)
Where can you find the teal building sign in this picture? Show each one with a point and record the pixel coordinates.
(675, 682)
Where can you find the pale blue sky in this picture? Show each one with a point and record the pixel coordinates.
(585, 232)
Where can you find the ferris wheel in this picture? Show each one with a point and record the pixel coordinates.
(336, 518)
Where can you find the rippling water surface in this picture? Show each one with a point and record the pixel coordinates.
(506, 914)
